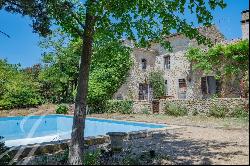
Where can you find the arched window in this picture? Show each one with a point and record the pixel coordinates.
(144, 63)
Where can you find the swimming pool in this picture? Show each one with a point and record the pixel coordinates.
(37, 129)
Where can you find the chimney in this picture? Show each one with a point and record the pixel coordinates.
(245, 24)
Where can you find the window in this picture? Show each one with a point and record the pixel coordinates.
(144, 63)
(119, 97)
(167, 62)
(166, 87)
(182, 84)
(182, 89)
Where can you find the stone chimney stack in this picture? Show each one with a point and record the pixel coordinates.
(245, 24)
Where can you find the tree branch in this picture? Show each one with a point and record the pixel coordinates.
(4, 34)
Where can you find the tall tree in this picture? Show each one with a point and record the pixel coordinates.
(140, 20)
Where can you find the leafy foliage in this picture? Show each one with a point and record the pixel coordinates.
(60, 70)
(119, 106)
(218, 112)
(175, 110)
(157, 81)
(109, 69)
(62, 109)
(17, 89)
(92, 158)
(235, 58)
(222, 112)
(145, 110)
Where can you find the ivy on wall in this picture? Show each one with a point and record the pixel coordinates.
(227, 61)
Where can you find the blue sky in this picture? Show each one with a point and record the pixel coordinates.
(23, 47)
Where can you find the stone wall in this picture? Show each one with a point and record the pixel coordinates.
(139, 106)
(55, 146)
(203, 105)
(245, 24)
(179, 66)
(54, 152)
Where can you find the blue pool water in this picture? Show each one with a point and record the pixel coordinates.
(59, 127)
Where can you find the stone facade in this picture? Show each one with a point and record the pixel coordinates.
(203, 106)
(245, 24)
(179, 70)
(181, 82)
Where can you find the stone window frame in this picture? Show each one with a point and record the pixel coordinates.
(167, 62)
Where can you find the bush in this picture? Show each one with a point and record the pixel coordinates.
(175, 110)
(239, 113)
(92, 158)
(62, 109)
(218, 112)
(18, 89)
(6, 158)
(145, 110)
(119, 106)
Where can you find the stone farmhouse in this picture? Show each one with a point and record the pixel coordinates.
(181, 82)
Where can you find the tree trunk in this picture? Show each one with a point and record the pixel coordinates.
(77, 135)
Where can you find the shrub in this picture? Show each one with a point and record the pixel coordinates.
(18, 90)
(92, 158)
(175, 110)
(6, 158)
(145, 110)
(62, 109)
(239, 113)
(119, 106)
(218, 112)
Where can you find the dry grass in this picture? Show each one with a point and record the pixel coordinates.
(41, 110)
(198, 121)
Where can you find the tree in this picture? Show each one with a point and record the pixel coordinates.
(109, 67)
(17, 89)
(140, 20)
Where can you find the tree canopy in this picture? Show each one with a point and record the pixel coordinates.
(17, 89)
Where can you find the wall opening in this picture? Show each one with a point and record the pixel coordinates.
(145, 91)
(182, 88)
(144, 63)
(209, 86)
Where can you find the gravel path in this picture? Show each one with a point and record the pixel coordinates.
(207, 144)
